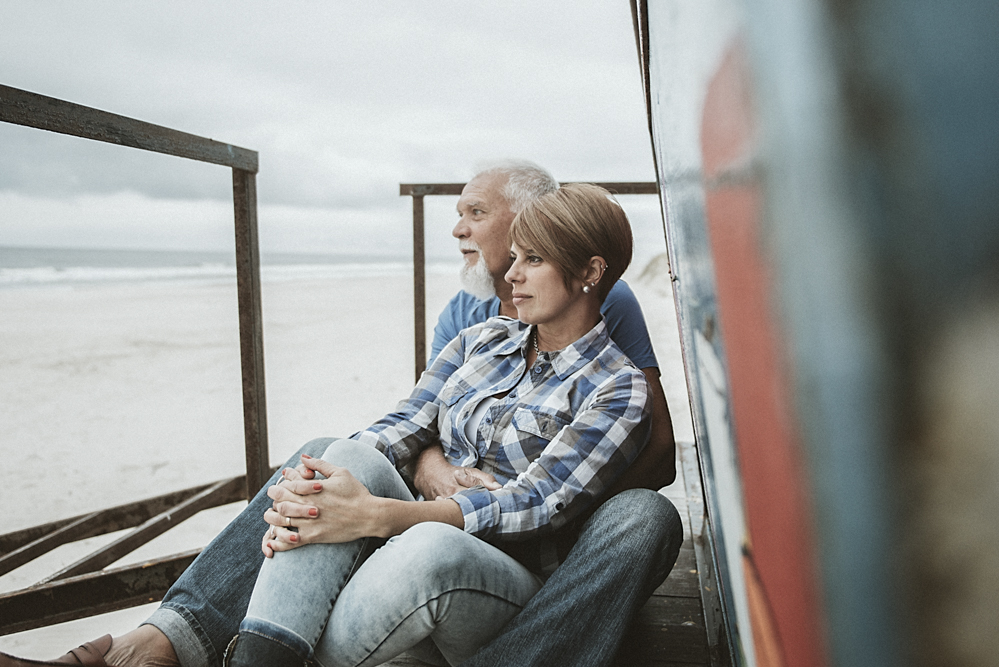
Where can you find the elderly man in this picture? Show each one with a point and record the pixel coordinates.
(626, 546)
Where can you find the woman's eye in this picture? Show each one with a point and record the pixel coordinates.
(533, 259)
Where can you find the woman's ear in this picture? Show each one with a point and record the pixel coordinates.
(594, 271)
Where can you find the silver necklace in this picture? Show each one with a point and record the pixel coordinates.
(534, 339)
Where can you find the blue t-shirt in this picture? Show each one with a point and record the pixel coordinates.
(625, 322)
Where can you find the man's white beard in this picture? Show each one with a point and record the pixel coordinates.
(475, 278)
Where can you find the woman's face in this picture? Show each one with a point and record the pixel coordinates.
(539, 293)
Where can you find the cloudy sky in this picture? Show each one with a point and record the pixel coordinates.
(343, 101)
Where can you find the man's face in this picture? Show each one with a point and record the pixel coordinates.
(484, 218)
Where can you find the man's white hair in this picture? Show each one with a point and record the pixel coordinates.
(526, 181)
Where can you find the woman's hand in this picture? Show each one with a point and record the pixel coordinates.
(435, 478)
(336, 509)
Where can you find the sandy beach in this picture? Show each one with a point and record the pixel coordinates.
(115, 392)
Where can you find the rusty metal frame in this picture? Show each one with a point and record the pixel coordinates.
(84, 588)
(420, 190)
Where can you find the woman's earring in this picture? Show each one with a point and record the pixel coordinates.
(586, 289)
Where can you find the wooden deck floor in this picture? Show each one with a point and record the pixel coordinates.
(670, 630)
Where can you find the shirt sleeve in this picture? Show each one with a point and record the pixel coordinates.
(404, 433)
(461, 312)
(447, 328)
(579, 463)
(626, 325)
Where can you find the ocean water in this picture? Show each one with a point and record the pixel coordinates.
(27, 266)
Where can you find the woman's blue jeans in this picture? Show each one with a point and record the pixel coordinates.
(365, 602)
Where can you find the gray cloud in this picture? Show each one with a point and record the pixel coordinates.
(342, 100)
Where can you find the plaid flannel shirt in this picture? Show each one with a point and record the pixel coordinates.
(568, 427)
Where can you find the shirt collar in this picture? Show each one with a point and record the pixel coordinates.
(518, 337)
(566, 361)
(570, 359)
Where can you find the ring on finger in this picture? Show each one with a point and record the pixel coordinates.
(287, 521)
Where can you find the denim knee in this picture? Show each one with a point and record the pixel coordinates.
(369, 466)
(638, 510)
(342, 451)
(434, 548)
(639, 522)
(315, 447)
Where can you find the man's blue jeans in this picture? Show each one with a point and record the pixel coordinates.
(625, 550)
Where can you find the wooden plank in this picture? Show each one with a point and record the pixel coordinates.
(91, 594)
(147, 531)
(48, 113)
(251, 331)
(682, 580)
(666, 629)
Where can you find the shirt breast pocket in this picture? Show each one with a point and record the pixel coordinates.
(452, 391)
(535, 430)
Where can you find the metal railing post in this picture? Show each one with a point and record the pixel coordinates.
(419, 288)
(251, 330)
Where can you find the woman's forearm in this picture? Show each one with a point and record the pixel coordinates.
(392, 517)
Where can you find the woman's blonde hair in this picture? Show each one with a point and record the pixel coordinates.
(572, 224)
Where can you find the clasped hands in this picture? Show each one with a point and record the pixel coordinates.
(339, 508)
(307, 509)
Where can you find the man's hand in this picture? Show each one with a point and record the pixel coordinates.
(435, 478)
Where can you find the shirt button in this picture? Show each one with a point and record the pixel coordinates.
(537, 369)
(489, 420)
